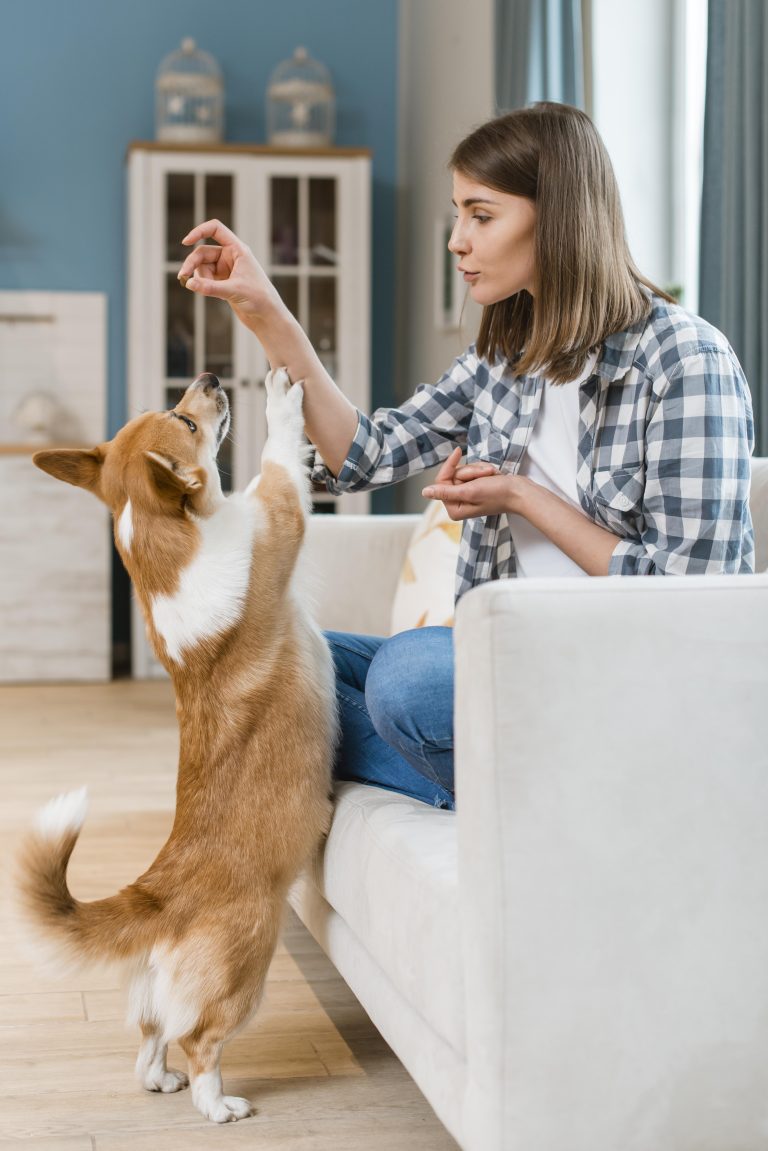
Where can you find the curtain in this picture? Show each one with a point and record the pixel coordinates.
(538, 52)
(733, 290)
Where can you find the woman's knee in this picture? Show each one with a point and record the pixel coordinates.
(409, 688)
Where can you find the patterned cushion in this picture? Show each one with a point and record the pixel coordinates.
(424, 595)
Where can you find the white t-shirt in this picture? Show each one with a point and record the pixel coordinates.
(550, 460)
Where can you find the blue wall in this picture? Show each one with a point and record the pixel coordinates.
(77, 84)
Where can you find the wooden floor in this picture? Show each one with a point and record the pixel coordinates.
(318, 1072)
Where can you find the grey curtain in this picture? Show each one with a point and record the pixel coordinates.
(539, 52)
(733, 289)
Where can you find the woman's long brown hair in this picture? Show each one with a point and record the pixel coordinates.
(587, 286)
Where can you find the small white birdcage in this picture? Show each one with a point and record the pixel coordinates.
(190, 97)
(300, 103)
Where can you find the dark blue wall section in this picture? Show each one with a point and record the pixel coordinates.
(77, 84)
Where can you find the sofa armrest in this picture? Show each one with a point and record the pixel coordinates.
(612, 796)
(352, 566)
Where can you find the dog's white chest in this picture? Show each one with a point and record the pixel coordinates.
(213, 587)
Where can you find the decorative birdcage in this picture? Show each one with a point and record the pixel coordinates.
(300, 103)
(190, 97)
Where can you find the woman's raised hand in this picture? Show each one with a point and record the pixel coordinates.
(228, 270)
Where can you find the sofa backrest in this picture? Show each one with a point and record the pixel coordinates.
(758, 505)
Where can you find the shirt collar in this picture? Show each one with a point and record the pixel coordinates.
(618, 351)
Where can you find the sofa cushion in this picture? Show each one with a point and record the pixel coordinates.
(389, 868)
(424, 596)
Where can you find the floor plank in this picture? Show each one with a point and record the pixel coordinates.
(318, 1072)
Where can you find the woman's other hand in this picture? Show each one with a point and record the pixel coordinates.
(476, 489)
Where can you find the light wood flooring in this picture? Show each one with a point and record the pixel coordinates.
(318, 1072)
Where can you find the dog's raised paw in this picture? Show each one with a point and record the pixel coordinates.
(280, 390)
(277, 383)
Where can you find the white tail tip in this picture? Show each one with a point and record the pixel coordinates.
(63, 815)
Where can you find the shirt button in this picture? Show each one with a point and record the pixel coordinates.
(624, 502)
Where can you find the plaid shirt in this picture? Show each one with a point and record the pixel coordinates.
(664, 441)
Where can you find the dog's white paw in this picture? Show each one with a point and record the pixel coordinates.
(280, 391)
(166, 1081)
(229, 1109)
(285, 418)
(277, 383)
(282, 395)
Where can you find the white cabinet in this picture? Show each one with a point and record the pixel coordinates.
(55, 555)
(307, 219)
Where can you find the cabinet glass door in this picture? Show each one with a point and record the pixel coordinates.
(303, 256)
(303, 253)
(199, 332)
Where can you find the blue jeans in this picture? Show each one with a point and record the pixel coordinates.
(396, 709)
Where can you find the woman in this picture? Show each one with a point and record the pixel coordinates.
(605, 430)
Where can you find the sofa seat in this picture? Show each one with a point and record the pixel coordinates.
(406, 853)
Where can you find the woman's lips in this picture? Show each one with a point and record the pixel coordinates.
(469, 276)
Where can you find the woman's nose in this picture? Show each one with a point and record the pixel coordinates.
(457, 243)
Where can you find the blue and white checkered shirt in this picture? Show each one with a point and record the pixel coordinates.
(663, 460)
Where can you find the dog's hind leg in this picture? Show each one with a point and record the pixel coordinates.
(203, 1051)
(151, 1069)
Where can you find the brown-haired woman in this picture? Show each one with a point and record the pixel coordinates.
(594, 428)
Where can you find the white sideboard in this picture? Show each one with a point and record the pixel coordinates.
(55, 553)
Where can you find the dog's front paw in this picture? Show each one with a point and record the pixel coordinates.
(285, 417)
(281, 392)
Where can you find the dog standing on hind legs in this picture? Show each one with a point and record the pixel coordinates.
(255, 703)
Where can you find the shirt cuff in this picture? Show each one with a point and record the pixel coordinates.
(630, 559)
(356, 468)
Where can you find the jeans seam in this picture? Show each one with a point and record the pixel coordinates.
(353, 650)
(432, 776)
(353, 702)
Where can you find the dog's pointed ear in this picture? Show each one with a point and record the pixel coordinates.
(78, 466)
(171, 480)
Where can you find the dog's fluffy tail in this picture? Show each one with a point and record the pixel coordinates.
(104, 930)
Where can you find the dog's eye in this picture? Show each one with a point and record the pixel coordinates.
(186, 420)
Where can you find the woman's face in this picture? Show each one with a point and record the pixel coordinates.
(494, 239)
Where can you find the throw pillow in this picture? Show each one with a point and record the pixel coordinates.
(424, 595)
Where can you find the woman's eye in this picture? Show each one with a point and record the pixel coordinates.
(481, 219)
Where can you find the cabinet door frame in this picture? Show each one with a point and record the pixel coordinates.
(147, 323)
(147, 316)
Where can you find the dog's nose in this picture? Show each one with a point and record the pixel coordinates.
(207, 381)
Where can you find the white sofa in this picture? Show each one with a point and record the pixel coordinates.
(577, 959)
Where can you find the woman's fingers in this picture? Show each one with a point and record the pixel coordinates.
(439, 492)
(212, 230)
(451, 473)
(476, 469)
(204, 261)
(448, 468)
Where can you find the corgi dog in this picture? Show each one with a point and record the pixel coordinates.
(255, 703)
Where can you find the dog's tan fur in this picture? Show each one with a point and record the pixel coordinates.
(254, 699)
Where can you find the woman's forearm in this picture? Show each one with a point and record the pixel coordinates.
(228, 270)
(329, 417)
(585, 542)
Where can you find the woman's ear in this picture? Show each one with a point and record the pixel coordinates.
(78, 466)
